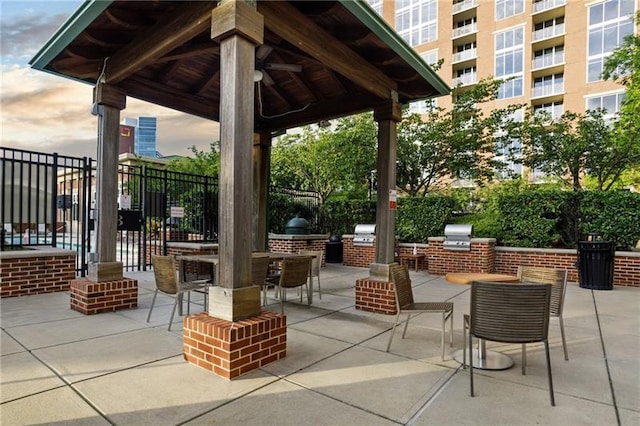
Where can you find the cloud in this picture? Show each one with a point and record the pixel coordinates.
(42, 112)
(24, 34)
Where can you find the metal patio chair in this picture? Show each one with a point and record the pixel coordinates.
(406, 305)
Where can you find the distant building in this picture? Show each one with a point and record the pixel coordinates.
(126, 141)
(145, 135)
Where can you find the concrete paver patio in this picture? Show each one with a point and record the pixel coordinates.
(59, 366)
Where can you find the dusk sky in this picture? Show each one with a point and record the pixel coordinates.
(46, 113)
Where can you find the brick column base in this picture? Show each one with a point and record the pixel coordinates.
(90, 297)
(230, 349)
(375, 296)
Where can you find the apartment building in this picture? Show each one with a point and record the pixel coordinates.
(551, 51)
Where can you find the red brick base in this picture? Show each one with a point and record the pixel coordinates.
(375, 296)
(90, 297)
(230, 349)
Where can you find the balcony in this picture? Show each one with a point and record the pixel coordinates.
(465, 80)
(462, 31)
(465, 55)
(555, 111)
(464, 5)
(548, 32)
(548, 90)
(549, 60)
(544, 5)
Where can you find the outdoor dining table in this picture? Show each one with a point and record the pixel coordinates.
(214, 260)
(483, 358)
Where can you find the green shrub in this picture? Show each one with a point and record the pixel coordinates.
(533, 219)
(614, 214)
(341, 217)
(419, 218)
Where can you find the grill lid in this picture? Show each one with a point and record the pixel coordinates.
(458, 230)
(368, 229)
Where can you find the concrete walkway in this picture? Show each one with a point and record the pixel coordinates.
(59, 366)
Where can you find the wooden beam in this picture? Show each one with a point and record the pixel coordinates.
(286, 21)
(159, 40)
(185, 52)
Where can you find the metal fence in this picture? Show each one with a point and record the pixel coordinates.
(48, 199)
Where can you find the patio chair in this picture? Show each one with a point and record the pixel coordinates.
(166, 276)
(259, 268)
(315, 267)
(294, 273)
(558, 280)
(509, 313)
(406, 305)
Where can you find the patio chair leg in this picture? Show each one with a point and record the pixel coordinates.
(406, 324)
(524, 359)
(153, 302)
(471, 364)
(173, 311)
(546, 349)
(319, 289)
(564, 341)
(393, 330)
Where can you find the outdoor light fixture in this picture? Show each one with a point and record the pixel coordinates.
(257, 76)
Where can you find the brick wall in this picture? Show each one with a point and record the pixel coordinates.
(230, 349)
(481, 257)
(294, 243)
(375, 296)
(90, 297)
(36, 273)
(361, 256)
(626, 265)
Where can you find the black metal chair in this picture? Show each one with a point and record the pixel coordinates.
(510, 313)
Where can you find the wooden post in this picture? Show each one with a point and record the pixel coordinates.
(238, 27)
(387, 115)
(109, 102)
(261, 160)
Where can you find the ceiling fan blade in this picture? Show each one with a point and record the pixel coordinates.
(266, 79)
(263, 51)
(282, 67)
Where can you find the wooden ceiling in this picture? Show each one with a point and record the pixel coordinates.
(319, 60)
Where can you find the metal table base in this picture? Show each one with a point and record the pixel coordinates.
(484, 359)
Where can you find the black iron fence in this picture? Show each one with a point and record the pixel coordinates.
(48, 200)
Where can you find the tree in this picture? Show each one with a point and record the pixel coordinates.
(327, 160)
(623, 66)
(204, 163)
(568, 147)
(460, 142)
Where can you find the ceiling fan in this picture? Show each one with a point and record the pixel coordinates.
(261, 74)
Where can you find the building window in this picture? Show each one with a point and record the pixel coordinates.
(423, 107)
(609, 102)
(376, 5)
(417, 20)
(554, 109)
(548, 57)
(510, 62)
(548, 85)
(507, 8)
(609, 23)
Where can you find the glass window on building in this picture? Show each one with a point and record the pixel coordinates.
(417, 20)
(376, 5)
(553, 109)
(609, 23)
(423, 107)
(609, 102)
(509, 62)
(507, 8)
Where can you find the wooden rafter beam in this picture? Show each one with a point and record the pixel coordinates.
(159, 40)
(293, 26)
(185, 52)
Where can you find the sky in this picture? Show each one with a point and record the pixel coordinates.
(46, 113)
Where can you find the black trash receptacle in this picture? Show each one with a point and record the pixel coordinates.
(334, 249)
(595, 264)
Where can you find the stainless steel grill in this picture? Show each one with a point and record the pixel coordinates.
(364, 235)
(457, 237)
